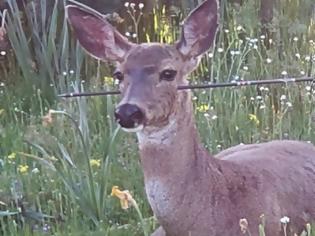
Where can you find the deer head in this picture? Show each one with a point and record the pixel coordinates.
(149, 73)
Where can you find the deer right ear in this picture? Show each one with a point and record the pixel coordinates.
(199, 30)
(96, 35)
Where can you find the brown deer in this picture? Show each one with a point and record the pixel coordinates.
(191, 192)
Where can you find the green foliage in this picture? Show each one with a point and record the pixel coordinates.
(57, 167)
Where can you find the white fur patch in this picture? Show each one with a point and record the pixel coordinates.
(161, 136)
(158, 196)
(133, 130)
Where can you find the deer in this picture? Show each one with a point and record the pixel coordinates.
(191, 192)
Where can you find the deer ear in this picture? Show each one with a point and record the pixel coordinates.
(199, 30)
(96, 35)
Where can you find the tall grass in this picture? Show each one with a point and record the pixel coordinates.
(60, 158)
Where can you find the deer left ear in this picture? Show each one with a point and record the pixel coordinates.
(199, 30)
(98, 37)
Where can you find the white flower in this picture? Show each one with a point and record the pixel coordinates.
(132, 5)
(71, 72)
(64, 73)
(35, 171)
(307, 58)
(126, 4)
(127, 34)
(220, 50)
(214, 117)
(285, 220)
(2, 84)
(3, 53)
(239, 28)
(141, 5)
(262, 107)
(308, 88)
(226, 31)
(298, 55)
(289, 104)
(295, 39)
(262, 36)
(284, 73)
(134, 35)
(210, 55)
(302, 72)
(245, 68)
(283, 97)
(258, 97)
(268, 60)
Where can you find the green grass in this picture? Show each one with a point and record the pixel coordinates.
(48, 181)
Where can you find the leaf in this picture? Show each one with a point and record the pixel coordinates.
(8, 213)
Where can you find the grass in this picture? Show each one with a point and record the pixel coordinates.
(57, 172)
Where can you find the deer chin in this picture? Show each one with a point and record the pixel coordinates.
(139, 128)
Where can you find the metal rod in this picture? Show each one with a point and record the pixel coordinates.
(202, 86)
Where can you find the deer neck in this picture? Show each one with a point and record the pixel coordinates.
(175, 164)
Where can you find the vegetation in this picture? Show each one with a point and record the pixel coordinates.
(61, 158)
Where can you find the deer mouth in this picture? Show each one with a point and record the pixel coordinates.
(133, 130)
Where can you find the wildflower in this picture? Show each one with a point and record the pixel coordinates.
(214, 117)
(295, 39)
(262, 36)
(134, 35)
(226, 31)
(285, 220)
(64, 73)
(284, 73)
(239, 28)
(141, 5)
(71, 72)
(253, 117)
(203, 108)
(307, 58)
(22, 169)
(126, 200)
(128, 34)
(308, 88)
(220, 50)
(268, 60)
(95, 163)
(132, 5)
(108, 80)
(289, 104)
(302, 72)
(244, 225)
(3, 53)
(126, 4)
(2, 84)
(12, 156)
(245, 68)
(283, 97)
(210, 55)
(35, 171)
(298, 55)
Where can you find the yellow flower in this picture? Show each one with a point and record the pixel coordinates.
(254, 118)
(203, 108)
(95, 162)
(126, 200)
(22, 169)
(12, 156)
(108, 80)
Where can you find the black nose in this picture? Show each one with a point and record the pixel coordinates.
(129, 116)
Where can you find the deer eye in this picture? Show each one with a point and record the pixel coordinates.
(168, 75)
(118, 76)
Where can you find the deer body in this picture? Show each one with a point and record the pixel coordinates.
(191, 192)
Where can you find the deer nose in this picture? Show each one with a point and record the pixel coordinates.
(129, 116)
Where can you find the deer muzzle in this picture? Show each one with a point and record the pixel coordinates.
(130, 117)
